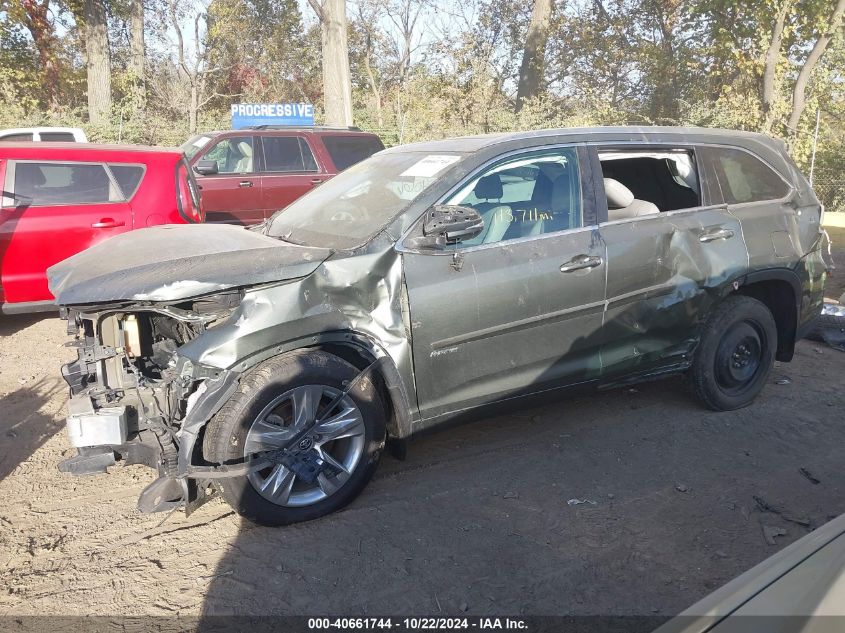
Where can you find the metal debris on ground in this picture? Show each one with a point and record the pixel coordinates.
(830, 326)
(809, 475)
(770, 532)
(783, 381)
(578, 502)
(681, 487)
(765, 506)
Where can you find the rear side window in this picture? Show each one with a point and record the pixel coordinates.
(287, 154)
(128, 177)
(39, 184)
(348, 150)
(744, 178)
(58, 137)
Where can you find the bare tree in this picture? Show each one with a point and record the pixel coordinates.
(533, 56)
(94, 28)
(367, 20)
(799, 92)
(136, 50)
(193, 65)
(767, 89)
(337, 82)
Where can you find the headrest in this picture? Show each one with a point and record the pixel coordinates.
(618, 195)
(489, 187)
(245, 149)
(561, 191)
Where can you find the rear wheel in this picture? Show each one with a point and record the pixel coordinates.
(322, 446)
(735, 355)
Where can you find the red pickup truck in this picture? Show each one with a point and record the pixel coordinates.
(246, 175)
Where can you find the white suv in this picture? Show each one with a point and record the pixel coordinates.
(56, 134)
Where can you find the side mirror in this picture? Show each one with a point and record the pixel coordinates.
(206, 167)
(448, 224)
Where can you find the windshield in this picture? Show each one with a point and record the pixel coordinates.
(194, 145)
(353, 206)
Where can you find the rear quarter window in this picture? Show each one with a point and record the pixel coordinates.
(128, 177)
(742, 177)
(44, 183)
(348, 150)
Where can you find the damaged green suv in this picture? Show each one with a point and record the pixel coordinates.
(427, 283)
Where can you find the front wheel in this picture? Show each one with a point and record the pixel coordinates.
(322, 447)
(735, 354)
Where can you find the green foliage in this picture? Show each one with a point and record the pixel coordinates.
(678, 62)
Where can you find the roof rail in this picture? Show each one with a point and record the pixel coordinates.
(300, 127)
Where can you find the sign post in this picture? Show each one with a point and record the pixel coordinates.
(252, 114)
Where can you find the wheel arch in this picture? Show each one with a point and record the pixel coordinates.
(360, 350)
(779, 289)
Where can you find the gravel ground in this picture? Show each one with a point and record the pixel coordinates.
(634, 501)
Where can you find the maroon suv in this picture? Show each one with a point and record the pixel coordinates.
(247, 175)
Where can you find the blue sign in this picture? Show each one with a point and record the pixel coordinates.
(294, 114)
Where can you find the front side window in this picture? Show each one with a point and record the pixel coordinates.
(37, 184)
(233, 155)
(744, 178)
(530, 195)
(287, 154)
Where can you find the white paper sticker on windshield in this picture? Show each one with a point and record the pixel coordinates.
(430, 166)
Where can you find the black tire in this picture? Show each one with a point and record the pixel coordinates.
(735, 354)
(226, 432)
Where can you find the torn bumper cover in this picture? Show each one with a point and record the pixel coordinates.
(133, 398)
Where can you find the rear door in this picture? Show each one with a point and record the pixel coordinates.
(52, 210)
(233, 194)
(288, 171)
(666, 266)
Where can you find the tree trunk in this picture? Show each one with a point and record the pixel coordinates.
(193, 107)
(799, 92)
(767, 91)
(37, 21)
(136, 51)
(98, 66)
(337, 84)
(533, 56)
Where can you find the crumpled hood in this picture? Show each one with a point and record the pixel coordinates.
(177, 262)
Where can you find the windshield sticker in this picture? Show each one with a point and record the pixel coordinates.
(201, 142)
(430, 166)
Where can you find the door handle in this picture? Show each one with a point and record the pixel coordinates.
(581, 262)
(245, 183)
(712, 236)
(316, 181)
(107, 223)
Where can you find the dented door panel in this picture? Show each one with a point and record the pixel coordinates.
(663, 274)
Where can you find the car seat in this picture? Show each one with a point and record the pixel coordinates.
(244, 165)
(621, 204)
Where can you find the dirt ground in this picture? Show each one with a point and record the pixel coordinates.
(635, 501)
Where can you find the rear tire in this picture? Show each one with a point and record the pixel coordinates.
(262, 414)
(735, 354)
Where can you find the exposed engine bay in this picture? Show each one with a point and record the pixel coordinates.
(131, 391)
